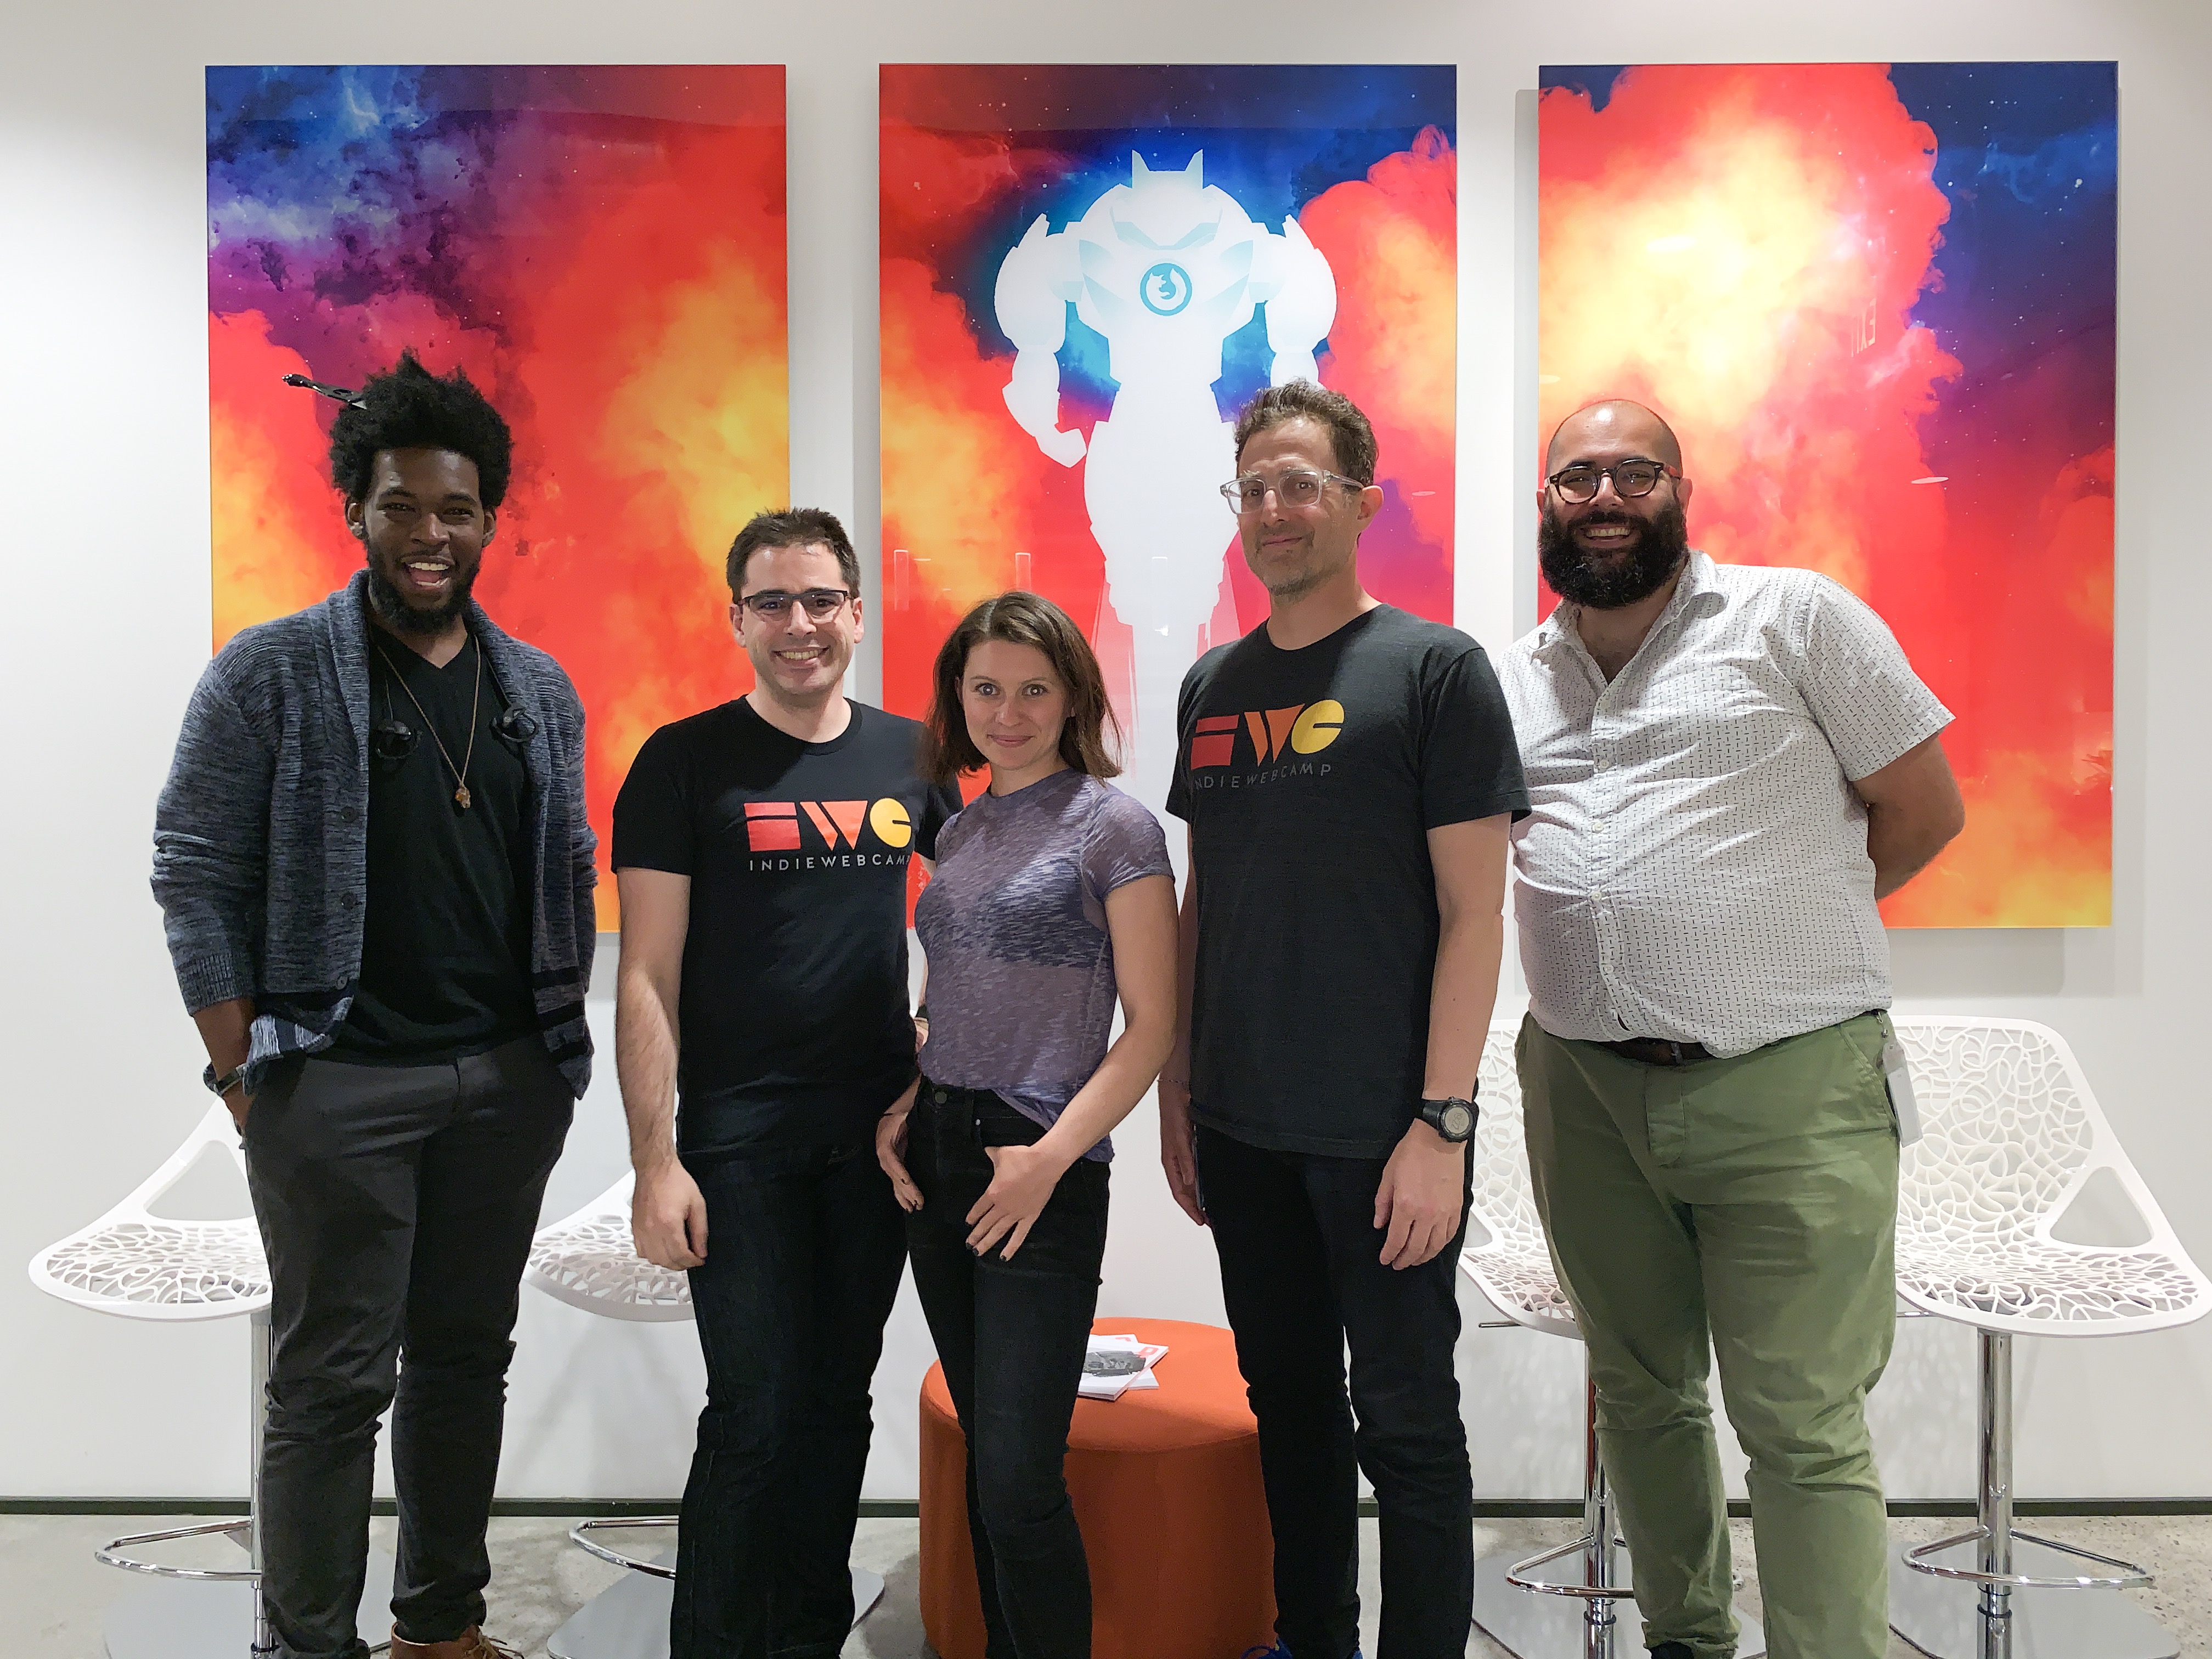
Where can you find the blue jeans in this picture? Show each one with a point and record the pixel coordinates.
(803, 1261)
(1011, 1336)
(1303, 1280)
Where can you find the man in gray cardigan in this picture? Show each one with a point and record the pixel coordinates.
(377, 875)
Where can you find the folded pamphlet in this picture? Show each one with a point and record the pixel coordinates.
(1112, 1365)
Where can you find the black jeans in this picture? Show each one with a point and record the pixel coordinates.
(804, 1254)
(1303, 1280)
(397, 1205)
(1011, 1336)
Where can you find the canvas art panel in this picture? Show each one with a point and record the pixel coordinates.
(602, 249)
(1086, 271)
(1876, 301)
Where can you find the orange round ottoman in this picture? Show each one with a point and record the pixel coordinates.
(1166, 1487)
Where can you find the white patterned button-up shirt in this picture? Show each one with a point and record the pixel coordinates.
(1694, 865)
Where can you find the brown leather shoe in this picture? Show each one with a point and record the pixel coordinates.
(471, 1644)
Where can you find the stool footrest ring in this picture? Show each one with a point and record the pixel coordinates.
(2133, 1577)
(1516, 1576)
(110, 1553)
(580, 1536)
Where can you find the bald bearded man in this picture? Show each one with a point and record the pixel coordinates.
(1727, 766)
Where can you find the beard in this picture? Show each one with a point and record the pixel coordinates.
(393, 609)
(1606, 583)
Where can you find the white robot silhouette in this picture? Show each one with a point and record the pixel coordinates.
(1166, 267)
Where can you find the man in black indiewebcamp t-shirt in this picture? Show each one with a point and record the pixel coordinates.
(1348, 772)
(761, 849)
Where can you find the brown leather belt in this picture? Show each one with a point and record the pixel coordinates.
(1660, 1051)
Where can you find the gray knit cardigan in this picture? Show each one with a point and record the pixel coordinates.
(261, 834)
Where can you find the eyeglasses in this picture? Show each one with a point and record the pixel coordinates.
(1577, 484)
(1300, 489)
(774, 604)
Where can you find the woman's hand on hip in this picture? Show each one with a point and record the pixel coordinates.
(1022, 1182)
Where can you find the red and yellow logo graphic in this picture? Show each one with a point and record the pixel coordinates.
(772, 826)
(1305, 729)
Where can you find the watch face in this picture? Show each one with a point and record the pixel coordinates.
(1458, 1122)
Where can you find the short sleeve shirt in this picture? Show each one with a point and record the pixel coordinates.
(1021, 965)
(1696, 865)
(793, 1016)
(1310, 780)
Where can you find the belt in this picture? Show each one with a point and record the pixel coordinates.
(1660, 1051)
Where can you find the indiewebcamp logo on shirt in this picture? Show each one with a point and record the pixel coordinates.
(773, 827)
(1281, 739)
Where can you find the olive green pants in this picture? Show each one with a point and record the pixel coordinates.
(1746, 1207)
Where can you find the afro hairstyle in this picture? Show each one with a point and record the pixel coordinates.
(410, 408)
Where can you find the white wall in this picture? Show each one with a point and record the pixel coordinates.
(103, 443)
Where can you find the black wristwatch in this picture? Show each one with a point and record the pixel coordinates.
(1453, 1119)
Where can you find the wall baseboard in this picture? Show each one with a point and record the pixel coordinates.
(1494, 1509)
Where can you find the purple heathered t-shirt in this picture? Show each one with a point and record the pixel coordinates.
(1021, 967)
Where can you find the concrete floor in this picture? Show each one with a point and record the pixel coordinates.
(52, 1594)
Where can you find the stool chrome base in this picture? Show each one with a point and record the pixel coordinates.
(630, 1619)
(180, 1619)
(1943, 1617)
(1532, 1626)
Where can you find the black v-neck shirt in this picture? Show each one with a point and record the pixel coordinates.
(446, 937)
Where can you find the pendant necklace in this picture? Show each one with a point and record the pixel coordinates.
(461, 772)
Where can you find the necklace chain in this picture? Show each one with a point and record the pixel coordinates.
(461, 772)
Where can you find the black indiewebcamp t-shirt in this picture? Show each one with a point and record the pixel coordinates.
(444, 947)
(793, 1018)
(1310, 780)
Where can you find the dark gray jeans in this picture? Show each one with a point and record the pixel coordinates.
(397, 1205)
(1011, 1336)
(804, 1257)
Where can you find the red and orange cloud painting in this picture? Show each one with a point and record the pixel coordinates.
(1876, 303)
(602, 249)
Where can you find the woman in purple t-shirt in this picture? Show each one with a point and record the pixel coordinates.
(1051, 897)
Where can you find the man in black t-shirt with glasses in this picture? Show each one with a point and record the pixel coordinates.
(1348, 772)
(761, 849)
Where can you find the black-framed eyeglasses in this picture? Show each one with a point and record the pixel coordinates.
(1579, 483)
(1298, 487)
(773, 603)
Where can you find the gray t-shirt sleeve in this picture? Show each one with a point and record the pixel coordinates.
(1123, 843)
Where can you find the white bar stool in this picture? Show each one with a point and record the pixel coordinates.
(133, 1264)
(2014, 1139)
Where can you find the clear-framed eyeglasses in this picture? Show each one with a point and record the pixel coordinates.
(1298, 487)
(774, 604)
(1631, 479)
